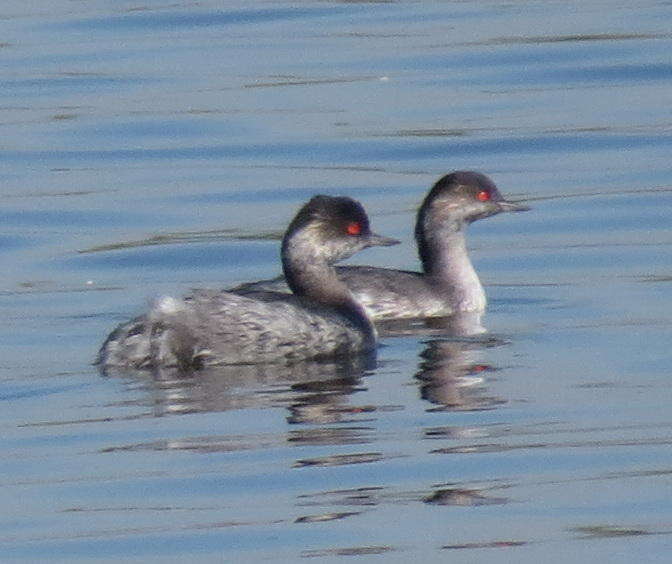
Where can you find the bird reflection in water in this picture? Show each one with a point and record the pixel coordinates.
(464, 497)
(313, 391)
(451, 375)
(451, 370)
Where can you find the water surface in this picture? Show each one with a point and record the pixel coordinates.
(151, 148)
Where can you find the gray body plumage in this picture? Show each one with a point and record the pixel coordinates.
(210, 327)
(385, 293)
(448, 284)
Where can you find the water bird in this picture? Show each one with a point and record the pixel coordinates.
(321, 319)
(448, 283)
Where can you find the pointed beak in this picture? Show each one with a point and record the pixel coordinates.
(375, 240)
(506, 206)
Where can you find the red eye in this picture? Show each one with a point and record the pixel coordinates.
(483, 196)
(354, 228)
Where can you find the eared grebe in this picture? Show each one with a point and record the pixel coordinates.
(321, 319)
(448, 284)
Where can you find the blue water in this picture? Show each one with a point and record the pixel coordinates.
(148, 149)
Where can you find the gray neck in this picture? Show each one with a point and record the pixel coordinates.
(310, 275)
(447, 265)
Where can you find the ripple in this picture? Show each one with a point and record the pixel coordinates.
(488, 544)
(349, 551)
(463, 498)
(341, 459)
(154, 20)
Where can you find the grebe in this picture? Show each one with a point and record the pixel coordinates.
(208, 327)
(448, 283)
